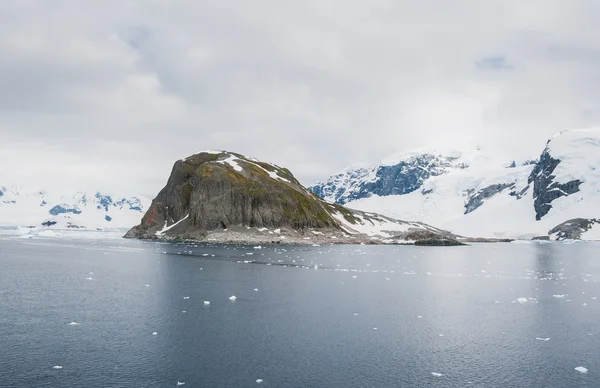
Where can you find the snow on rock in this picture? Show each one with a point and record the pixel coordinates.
(478, 194)
(90, 210)
(166, 228)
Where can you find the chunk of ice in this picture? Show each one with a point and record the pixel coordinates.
(206, 303)
(581, 369)
(155, 333)
(73, 323)
(558, 296)
(436, 374)
(60, 367)
(542, 339)
(522, 300)
(258, 381)
(180, 382)
(232, 297)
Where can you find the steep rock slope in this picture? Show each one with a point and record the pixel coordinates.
(224, 196)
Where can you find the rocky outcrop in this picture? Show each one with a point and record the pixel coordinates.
(212, 191)
(476, 200)
(227, 197)
(573, 229)
(393, 178)
(545, 189)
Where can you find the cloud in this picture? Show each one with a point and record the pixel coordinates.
(493, 63)
(110, 94)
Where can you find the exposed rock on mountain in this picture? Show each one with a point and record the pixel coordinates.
(81, 210)
(401, 175)
(573, 229)
(227, 197)
(545, 189)
(481, 195)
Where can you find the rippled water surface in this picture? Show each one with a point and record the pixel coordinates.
(133, 314)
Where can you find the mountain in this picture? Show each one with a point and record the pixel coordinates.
(556, 196)
(399, 175)
(19, 207)
(227, 197)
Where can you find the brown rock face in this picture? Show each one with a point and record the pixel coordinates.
(213, 191)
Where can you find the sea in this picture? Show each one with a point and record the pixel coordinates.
(109, 312)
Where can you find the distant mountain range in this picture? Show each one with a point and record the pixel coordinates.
(81, 210)
(555, 196)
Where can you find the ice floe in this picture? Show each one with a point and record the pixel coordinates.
(60, 367)
(74, 324)
(436, 374)
(542, 339)
(206, 302)
(259, 381)
(232, 297)
(581, 369)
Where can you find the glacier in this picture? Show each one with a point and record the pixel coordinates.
(479, 195)
(20, 207)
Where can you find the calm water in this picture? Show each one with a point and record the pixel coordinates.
(368, 316)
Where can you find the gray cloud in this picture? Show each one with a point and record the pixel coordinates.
(109, 95)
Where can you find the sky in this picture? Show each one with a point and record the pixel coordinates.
(108, 95)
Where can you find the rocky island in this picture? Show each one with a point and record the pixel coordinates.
(221, 196)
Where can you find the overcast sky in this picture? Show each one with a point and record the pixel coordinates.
(108, 94)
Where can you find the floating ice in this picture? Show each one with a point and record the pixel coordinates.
(436, 374)
(258, 247)
(146, 285)
(256, 289)
(60, 367)
(259, 381)
(558, 296)
(206, 303)
(232, 297)
(155, 333)
(355, 313)
(186, 297)
(180, 382)
(522, 300)
(542, 339)
(579, 369)
(183, 311)
(73, 323)
(354, 277)
(374, 328)
(89, 278)
(419, 316)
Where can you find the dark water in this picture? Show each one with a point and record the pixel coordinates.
(304, 327)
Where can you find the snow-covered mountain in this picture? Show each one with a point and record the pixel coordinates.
(473, 194)
(19, 207)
